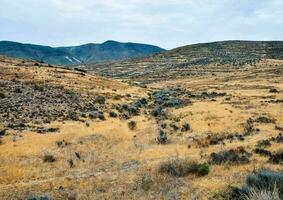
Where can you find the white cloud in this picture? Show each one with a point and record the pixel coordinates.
(168, 23)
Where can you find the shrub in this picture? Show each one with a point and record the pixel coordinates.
(2, 95)
(263, 119)
(260, 185)
(162, 137)
(96, 114)
(230, 156)
(273, 90)
(262, 195)
(49, 158)
(248, 127)
(101, 116)
(277, 157)
(43, 197)
(113, 114)
(265, 180)
(183, 167)
(145, 182)
(100, 99)
(157, 111)
(2, 131)
(132, 125)
(186, 127)
(202, 169)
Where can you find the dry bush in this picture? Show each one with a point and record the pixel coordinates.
(49, 158)
(132, 125)
(182, 167)
(255, 194)
(2, 95)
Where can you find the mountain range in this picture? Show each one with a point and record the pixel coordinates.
(83, 54)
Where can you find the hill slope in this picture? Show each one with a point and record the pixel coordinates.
(88, 53)
(184, 59)
(66, 134)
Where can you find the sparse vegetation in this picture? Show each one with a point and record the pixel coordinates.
(49, 158)
(264, 119)
(113, 114)
(100, 100)
(231, 157)
(260, 185)
(132, 125)
(2, 95)
(182, 167)
(273, 90)
(89, 155)
(162, 137)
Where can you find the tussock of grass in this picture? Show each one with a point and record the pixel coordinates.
(49, 158)
(132, 125)
(256, 194)
(182, 167)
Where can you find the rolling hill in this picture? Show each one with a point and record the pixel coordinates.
(84, 54)
(183, 61)
(69, 134)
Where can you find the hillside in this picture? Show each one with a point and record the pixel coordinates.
(88, 53)
(68, 134)
(183, 61)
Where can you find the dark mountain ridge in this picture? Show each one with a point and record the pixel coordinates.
(83, 54)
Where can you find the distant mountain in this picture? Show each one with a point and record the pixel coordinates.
(181, 60)
(86, 54)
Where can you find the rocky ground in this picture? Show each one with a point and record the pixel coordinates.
(68, 134)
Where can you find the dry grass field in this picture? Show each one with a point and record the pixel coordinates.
(107, 139)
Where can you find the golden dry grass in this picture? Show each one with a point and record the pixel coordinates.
(114, 158)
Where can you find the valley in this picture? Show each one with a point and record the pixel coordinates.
(190, 123)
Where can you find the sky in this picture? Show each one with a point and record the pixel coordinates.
(166, 23)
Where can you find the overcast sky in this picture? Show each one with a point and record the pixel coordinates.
(167, 23)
